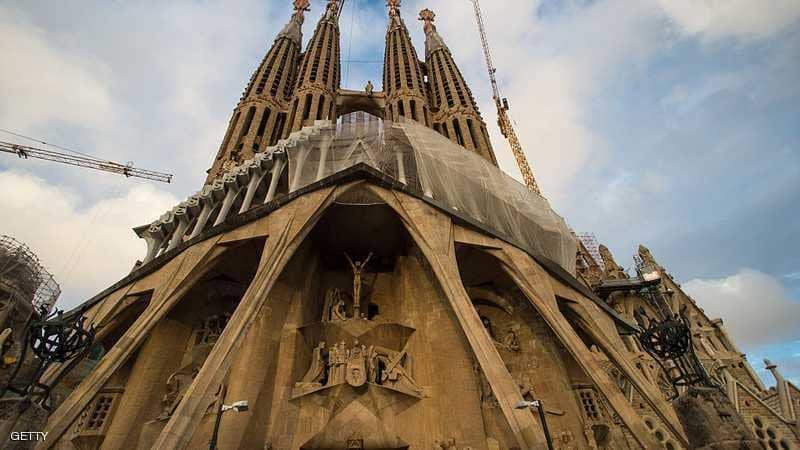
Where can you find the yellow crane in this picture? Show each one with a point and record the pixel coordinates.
(503, 119)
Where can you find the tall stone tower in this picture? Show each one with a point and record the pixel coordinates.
(260, 116)
(320, 74)
(455, 113)
(366, 282)
(403, 80)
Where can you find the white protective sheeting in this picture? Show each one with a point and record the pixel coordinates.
(431, 164)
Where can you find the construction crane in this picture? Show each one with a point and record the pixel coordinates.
(25, 152)
(503, 119)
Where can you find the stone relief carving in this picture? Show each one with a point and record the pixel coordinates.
(316, 372)
(511, 339)
(335, 308)
(358, 271)
(357, 365)
(177, 384)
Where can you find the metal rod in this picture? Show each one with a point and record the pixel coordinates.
(544, 426)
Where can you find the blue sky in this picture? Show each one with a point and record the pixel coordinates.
(673, 123)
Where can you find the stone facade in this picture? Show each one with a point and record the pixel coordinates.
(362, 311)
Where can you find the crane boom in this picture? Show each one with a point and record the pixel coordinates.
(24, 151)
(503, 119)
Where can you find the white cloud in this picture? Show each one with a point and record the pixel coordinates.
(794, 276)
(756, 308)
(86, 247)
(742, 19)
(551, 68)
(40, 82)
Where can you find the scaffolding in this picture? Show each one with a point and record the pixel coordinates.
(23, 278)
(590, 242)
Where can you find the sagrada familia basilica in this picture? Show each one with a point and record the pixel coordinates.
(357, 273)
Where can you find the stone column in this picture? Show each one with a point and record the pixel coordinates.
(252, 187)
(246, 381)
(202, 219)
(226, 204)
(277, 169)
(159, 356)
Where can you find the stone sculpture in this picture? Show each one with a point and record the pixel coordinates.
(358, 271)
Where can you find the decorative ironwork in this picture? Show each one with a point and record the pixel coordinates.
(53, 338)
(669, 342)
(668, 336)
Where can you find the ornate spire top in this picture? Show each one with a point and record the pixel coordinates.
(292, 29)
(427, 16)
(332, 10)
(394, 7)
(613, 270)
(301, 6)
(647, 257)
(433, 41)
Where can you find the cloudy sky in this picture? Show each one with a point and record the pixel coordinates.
(673, 123)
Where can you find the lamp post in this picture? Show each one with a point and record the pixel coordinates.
(525, 404)
(239, 406)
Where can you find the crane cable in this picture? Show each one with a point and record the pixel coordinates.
(39, 141)
(350, 41)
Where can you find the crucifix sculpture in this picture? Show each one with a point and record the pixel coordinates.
(358, 270)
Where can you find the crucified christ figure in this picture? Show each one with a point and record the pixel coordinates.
(358, 269)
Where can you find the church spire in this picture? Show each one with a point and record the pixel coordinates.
(455, 113)
(320, 74)
(403, 79)
(258, 119)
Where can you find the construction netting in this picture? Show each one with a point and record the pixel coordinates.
(431, 164)
(22, 276)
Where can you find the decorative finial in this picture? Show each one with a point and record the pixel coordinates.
(332, 10)
(394, 6)
(302, 5)
(427, 16)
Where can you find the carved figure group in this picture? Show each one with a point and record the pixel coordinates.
(359, 364)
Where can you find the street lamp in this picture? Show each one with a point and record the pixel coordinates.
(525, 404)
(240, 406)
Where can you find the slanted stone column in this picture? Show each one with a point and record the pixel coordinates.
(160, 355)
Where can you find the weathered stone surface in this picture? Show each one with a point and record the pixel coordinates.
(20, 415)
(711, 423)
